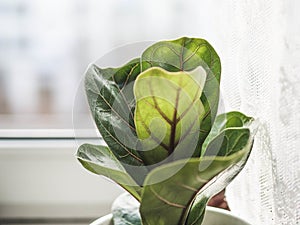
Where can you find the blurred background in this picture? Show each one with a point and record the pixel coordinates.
(46, 46)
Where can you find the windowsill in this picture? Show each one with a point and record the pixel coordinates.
(47, 133)
(58, 211)
(41, 177)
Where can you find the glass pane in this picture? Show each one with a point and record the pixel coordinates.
(45, 47)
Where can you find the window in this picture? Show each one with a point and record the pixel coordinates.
(45, 48)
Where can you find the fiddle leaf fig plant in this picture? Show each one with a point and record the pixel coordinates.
(165, 143)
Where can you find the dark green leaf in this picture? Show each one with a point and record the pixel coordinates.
(197, 212)
(168, 202)
(187, 54)
(168, 112)
(228, 126)
(101, 161)
(125, 210)
(110, 96)
(230, 134)
(215, 186)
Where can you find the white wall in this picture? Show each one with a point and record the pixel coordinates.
(42, 178)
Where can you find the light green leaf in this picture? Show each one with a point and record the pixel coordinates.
(168, 113)
(101, 161)
(168, 202)
(186, 54)
(110, 96)
(125, 210)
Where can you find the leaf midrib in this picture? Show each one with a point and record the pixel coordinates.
(174, 123)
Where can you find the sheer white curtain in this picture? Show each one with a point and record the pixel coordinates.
(261, 77)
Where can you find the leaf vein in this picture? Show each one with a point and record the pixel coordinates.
(167, 201)
(118, 142)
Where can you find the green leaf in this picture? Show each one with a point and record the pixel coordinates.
(110, 96)
(230, 134)
(196, 179)
(197, 212)
(168, 113)
(231, 125)
(168, 202)
(101, 161)
(186, 54)
(125, 210)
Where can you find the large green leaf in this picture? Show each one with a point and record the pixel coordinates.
(125, 210)
(110, 96)
(168, 202)
(196, 179)
(168, 112)
(230, 133)
(197, 210)
(101, 161)
(186, 54)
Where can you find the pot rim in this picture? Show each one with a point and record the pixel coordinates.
(102, 219)
(209, 208)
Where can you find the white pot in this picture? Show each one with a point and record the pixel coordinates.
(213, 216)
